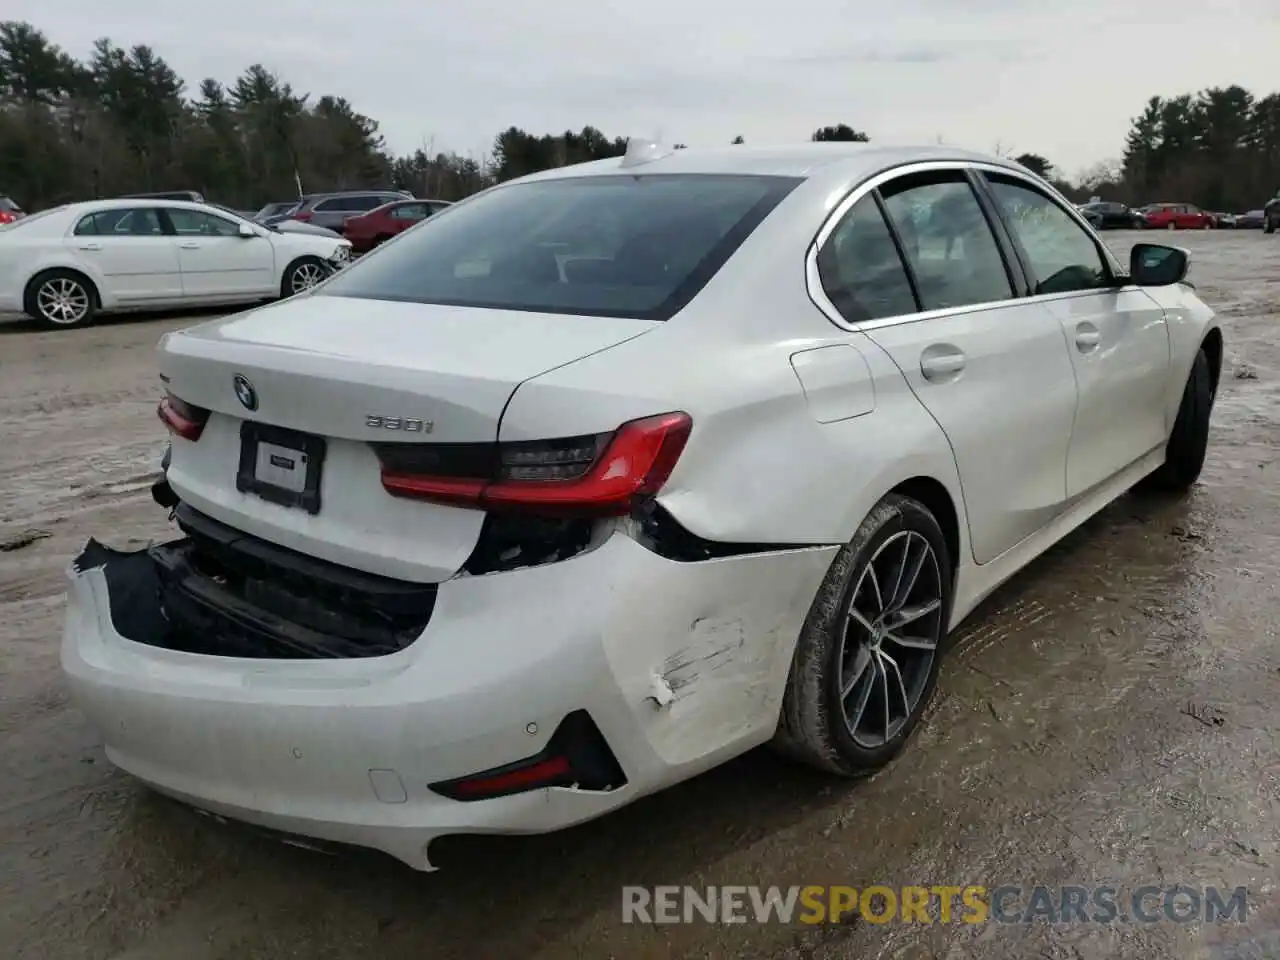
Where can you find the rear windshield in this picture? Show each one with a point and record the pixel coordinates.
(8, 206)
(614, 246)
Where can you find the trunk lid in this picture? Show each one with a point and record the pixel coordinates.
(322, 366)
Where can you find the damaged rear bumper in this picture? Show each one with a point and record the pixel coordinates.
(678, 665)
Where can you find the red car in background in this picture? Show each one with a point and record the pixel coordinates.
(1177, 216)
(9, 211)
(368, 230)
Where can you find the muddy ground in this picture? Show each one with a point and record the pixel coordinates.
(1108, 718)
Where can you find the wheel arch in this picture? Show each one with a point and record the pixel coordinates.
(934, 496)
(1212, 347)
(29, 288)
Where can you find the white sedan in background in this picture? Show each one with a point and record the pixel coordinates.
(65, 265)
(610, 473)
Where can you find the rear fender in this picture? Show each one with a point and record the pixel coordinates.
(766, 461)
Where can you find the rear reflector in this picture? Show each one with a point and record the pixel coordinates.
(183, 419)
(599, 475)
(576, 755)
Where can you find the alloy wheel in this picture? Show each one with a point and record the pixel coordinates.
(890, 638)
(306, 276)
(63, 301)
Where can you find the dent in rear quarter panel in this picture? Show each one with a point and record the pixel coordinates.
(1188, 320)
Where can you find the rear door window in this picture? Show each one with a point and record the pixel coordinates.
(144, 222)
(861, 270)
(628, 246)
(947, 240)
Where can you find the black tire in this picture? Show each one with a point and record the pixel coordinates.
(379, 240)
(1189, 439)
(290, 282)
(813, 726)
(1269, 224)
(70, 288)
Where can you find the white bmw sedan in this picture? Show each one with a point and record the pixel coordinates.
(64, 266)
(611, 473)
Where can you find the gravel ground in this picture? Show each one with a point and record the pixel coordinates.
(1108, 718)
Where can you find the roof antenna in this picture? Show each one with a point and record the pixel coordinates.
(643, 151)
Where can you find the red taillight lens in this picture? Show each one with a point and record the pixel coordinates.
(183, 419)
(303, 216)
(603, 475)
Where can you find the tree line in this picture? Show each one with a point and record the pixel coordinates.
(123, 121)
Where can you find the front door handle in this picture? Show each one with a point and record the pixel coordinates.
(941, 362)
(190, 245)
(90, 246)
(1087, 338)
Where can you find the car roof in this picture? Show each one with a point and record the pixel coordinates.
(375, 192)
(135, 203)
(804, 161)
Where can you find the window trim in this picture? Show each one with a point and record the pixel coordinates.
(1024, 256)
(813, 282)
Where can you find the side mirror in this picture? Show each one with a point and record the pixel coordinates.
(247, 232)
(1155, 265)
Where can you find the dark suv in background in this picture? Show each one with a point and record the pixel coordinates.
(331, 209)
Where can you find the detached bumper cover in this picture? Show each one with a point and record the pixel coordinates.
(346, 750)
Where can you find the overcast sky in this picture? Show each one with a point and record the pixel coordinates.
(1057, 78)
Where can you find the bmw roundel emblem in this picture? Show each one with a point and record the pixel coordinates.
(245, 393)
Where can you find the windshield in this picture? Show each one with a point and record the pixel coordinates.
(622, 246)
(272, 209)
(8, 206)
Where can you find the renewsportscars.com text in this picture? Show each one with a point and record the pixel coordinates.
(934, 904)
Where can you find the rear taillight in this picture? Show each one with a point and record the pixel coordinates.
(596, 475)
(183, 419)
(304, 216)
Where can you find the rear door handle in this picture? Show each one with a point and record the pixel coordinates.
(941, 361)
(90, 246)
(190, 245)
(1087, 338)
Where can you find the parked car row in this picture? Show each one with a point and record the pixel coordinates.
(366, 218)
(1110, 215)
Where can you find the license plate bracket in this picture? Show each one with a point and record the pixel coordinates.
(281, 466)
